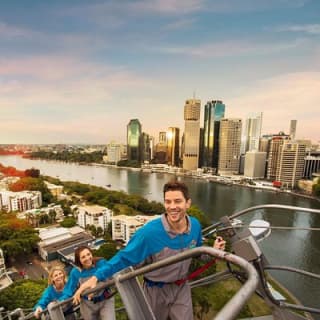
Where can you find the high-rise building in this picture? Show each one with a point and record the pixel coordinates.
(133, 139)
(255, 163)
(251, 133)
(163, 137)
(264, 144)
(201, 145)
(293, 129)
(290, 163)
(161, 149)
(191, 134)
(95, 215)
(152, 146)
(274, 154)
(115, 152)
(145, 150)
(213, 112)
(229, 146)
(311, 165)
(173, 146)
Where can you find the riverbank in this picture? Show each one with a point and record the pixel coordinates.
(214, 179)
(236, 180)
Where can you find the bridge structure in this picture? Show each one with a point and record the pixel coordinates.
(246, 263)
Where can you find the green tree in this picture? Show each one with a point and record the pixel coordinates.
(68, 222)
(52, 215)
(65, 206)
(35, 173)
(22, 294)
(99, 232)
(16, 236)
(107, 250)
(197, 213)
(316, 188)
(33, 184)
(201, 299)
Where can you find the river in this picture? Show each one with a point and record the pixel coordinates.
(295, 248)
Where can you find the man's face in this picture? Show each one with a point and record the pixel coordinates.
(176, 206)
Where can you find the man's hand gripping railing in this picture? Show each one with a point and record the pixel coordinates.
(236, 303)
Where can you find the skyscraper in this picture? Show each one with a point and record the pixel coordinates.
(133, 140)
(173, 146)
(255, 163)
(293, 129)
(161, 149)
(252, 133)
(191, 134)
(145, 149)
(274, 154)
(213, 112)
(291, 163)
(229, 146)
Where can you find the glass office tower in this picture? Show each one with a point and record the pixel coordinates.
(133, 139)
(213, 112)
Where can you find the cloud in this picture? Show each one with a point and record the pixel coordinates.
(10, 31)
(281, 99)
(306, 28)
(232, 6)
(231, 48)
(115, 13)
(179, 24)
(168, 6)
(46, 86)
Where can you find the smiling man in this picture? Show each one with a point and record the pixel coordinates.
(172, 233)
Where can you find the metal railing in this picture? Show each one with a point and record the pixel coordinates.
(133, 297)
(248, 257)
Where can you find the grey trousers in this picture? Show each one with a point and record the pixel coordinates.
(103, 310)
(170, 302)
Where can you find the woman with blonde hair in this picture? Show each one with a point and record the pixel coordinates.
(56, 281)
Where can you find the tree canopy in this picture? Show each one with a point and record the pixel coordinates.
(197, 213)
(16, 236)
(32, 184)
(22, 294)
(316, 188)
(68, 222)
(107, 250)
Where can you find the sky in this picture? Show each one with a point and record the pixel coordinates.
(78, 71)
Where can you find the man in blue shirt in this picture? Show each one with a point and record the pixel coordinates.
(172, 233)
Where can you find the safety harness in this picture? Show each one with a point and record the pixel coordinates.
(194, 274)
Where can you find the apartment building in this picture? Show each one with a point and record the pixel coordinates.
(55, 190)
(95, 215)
(20, 201)
(124, 227)
(291, 163)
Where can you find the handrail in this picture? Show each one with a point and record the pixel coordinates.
(232, 307)
(273, 206)
(263, 206)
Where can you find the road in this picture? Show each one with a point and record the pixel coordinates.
(30, 267)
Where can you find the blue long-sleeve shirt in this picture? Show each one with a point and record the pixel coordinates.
(77, 276)
(50, 294)
(153, 242)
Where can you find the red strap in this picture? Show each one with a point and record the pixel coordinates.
(196, 272)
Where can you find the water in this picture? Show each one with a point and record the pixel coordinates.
(299, 249)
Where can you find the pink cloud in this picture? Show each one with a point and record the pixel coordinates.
(281, 99)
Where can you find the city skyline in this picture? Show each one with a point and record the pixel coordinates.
(79, 72)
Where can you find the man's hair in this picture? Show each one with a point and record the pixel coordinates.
(176, 186)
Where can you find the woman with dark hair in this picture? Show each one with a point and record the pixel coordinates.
(101, 306)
